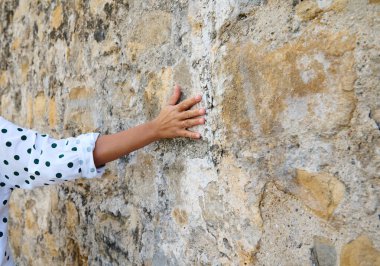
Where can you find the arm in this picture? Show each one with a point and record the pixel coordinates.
(173, 121)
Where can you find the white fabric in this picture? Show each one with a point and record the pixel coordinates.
(29, 159)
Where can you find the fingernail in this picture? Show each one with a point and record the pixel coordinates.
(198, 97)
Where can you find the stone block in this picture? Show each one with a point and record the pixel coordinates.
(360, 251)
(320, 192)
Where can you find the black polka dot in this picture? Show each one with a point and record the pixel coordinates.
(61, 156)
(2, 184)
(4, 130)
(17, 186)
(16, 173)
(23, 137)
(17, 157)
(7, 177)
(70, 165)
(36, 161)
(5, 202)
(37, 173)
(1, 234)
(4, 221)
(29, 150)
(34, 146)
(26, 169)
(27, 181)
(54, 145)
(58, 175)
(32, 177)
(8, 143)
(6, 162)
(19, 129)
(44, 135)
(47, 163)
(74, 149)
(79, 170)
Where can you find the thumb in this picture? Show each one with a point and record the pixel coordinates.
(175, 96)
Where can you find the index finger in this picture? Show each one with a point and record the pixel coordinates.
(188, 103)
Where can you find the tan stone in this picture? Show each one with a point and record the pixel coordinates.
(78, 93)
(338, 5)
(30, 223)
(71, 215)
(50, 242)
(196, 25)
(24, 69)
(374, 1)
(56, 17)
(267, 79)
(6, 109)
(246, 258)
(360, 252)
(321, 192)
(151, 30)
(309, 9)
(158, 91)
(29, 111)
(39, 108)
(82, 120)
(97, 6)
(52, 113)
(3, 79)
(15, 44)
(180, 216)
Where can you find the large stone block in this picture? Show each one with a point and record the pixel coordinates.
(321, 192)
(360, 251)
(304, 85)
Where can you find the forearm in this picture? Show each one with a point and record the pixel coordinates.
(173, 121)
(113, 146)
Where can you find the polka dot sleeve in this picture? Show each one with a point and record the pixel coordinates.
(29, 159)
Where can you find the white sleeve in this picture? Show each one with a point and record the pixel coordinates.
(29, 159)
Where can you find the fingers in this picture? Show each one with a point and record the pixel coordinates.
(175, 96)
(192, 113)
(189, 134)
(192, 122)
(187, 104)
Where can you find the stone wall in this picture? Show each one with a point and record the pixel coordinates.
(287, 172)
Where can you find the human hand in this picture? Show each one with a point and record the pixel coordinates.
(175, 119)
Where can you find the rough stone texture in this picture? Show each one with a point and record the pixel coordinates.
(288, 169)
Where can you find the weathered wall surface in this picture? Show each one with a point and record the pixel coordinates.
(287, 173)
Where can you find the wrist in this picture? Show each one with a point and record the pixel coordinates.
(154, 129)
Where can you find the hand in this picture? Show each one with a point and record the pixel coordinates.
(174, 119)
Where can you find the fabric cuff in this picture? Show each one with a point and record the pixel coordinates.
(87, 146)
